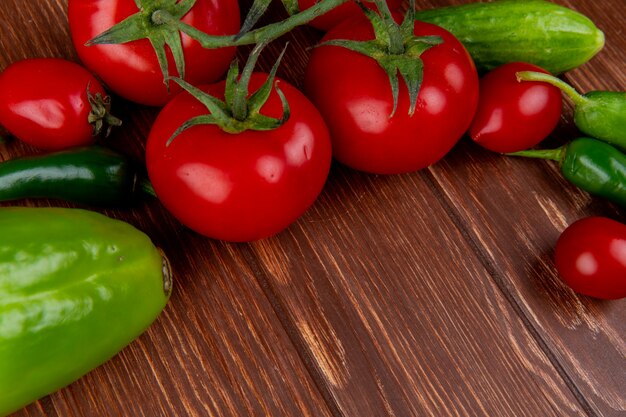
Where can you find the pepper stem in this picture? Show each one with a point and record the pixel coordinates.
(146, 186)
(167, 273)
(550, 154)
(570, 91)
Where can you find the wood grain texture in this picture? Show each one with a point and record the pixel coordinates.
(425, 294)
(413, 325)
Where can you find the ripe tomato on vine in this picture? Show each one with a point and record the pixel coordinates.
(237, 166)
(131, 57)
(382, 123)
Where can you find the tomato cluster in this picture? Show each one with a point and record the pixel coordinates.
(241, 161)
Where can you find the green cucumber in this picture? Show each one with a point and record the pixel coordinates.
(550, 36)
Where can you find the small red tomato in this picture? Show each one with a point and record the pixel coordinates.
(345, 11)
(46, 102)
(244, 186)
(514, 115)
(590, 256)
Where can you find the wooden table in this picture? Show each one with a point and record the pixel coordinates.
(432, 293)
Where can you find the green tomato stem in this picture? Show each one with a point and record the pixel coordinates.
(263, 34)
(396, 40)
(570, 91)
(240, 98)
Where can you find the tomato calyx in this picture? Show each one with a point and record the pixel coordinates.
(100, 115)
(395, 48)
(143, 25)
(239, 111)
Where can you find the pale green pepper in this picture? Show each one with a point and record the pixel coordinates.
(75, 288)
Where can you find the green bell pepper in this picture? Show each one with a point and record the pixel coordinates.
(75, 288)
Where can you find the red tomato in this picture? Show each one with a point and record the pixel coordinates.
(590, 256)
(239, 187)
(345, 11)
(132, 69)
(512, 115)
(354, 95)
(44, 102)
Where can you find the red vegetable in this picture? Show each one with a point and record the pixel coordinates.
(132, 69)
(53, 104)
(345, 11)
(590, 256)
(354, 95)
(514, 116)
(239, 186)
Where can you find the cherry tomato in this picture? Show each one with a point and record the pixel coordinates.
(513, 115)
(132, 69)
(239, 187)
(345, 11)
(354, 95)
(44, 102)
(590, 256)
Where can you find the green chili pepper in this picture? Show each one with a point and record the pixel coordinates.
(592, 165)
(75, 288)
(600, 114)
(93, 175)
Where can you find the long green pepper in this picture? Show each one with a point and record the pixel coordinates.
(95, 176)
(591, 165)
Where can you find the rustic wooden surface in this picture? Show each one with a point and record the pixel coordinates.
(432, 293)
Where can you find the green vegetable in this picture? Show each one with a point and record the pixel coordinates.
(592, 165)
(535, 31)
(75, 288)
(601, 114)
(94, 176)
